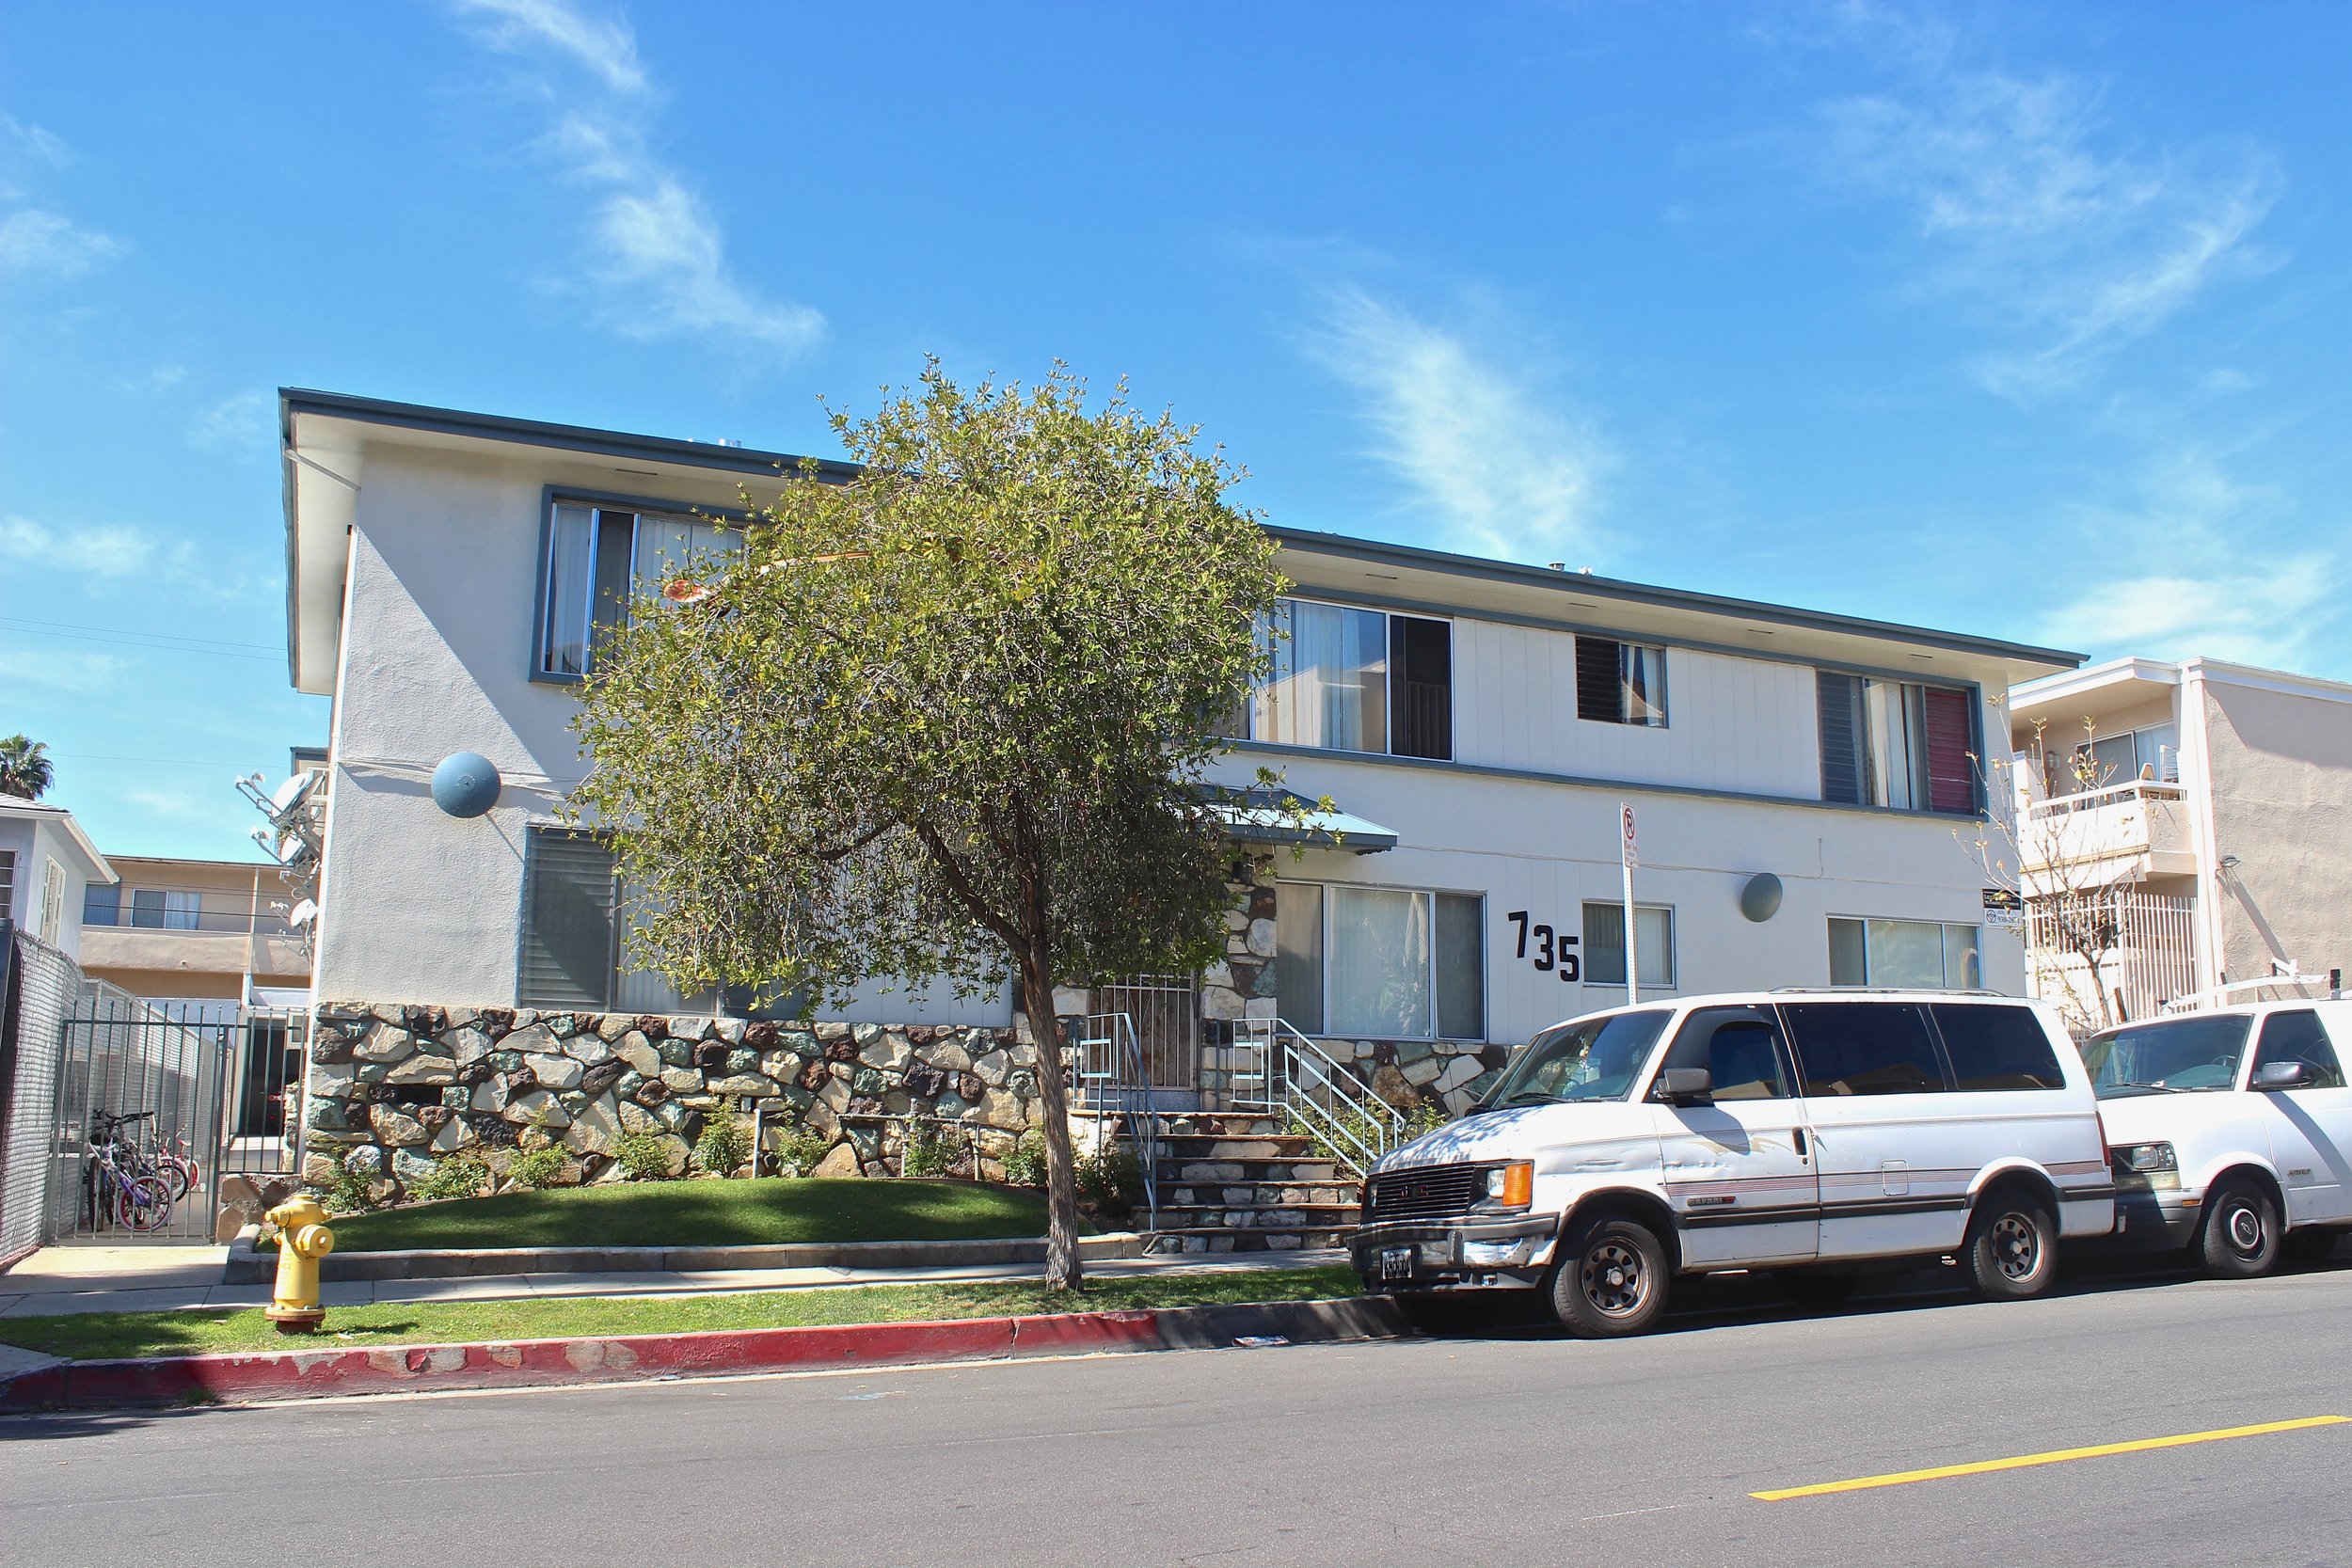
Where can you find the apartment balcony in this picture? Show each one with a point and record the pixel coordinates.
(2125, 832)
(211, 944)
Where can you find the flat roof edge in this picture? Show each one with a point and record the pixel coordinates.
(1388, 553)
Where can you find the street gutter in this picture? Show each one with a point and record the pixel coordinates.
(320, 1368)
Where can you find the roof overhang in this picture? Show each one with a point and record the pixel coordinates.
(94, 866)
(2066, 698)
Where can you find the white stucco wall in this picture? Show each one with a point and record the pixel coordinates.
(2280, 769)
(36, 841)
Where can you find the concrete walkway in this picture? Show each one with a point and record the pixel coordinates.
(175, 1278)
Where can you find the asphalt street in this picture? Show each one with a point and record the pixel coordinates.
(1492, 1446)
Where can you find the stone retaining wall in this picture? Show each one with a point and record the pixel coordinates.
(391, 1086)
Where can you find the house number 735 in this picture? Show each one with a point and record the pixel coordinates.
(1552, 953)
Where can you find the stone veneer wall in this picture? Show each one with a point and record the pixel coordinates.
(392, 1086)
(1405, 1073)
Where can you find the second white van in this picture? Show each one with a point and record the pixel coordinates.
(1807, 1132)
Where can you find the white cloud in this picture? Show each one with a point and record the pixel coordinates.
(605, 48)
(87, 552)
(41, 146)
(2033, 216)
(35, 243)
(1474, 441)
(62, 672)
(2258, 616)
(245, 424)
(658, 266)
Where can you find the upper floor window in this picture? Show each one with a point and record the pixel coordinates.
(1356, 680)
(600, 560)
(2107, 760)
(1895, 743)
(1620, 682)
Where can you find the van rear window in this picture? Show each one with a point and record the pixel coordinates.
(1864, 1048)
(1997, 1048)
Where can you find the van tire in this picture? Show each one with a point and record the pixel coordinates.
(1612, 1279)
(2238, 1237)
(2012, 1250)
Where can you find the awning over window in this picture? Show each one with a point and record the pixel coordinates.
(1267, 815)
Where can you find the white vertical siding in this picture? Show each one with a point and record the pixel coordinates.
(1732, 723)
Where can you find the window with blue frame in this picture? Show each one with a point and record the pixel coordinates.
(600, 561)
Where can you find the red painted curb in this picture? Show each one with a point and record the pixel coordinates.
(311, 1373)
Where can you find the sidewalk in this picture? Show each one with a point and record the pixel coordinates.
(174, 1279)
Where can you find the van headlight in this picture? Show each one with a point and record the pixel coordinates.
(1512, 1186)
(2147, 1159)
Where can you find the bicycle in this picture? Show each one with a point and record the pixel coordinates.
(113, 1187)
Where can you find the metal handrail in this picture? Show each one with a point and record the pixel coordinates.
(1110, 1063)
(1299, 1079)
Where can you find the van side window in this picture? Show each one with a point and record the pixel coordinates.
(1741, 1049)
(2297, 1036)
(1864, 1048)
(1997, 1048)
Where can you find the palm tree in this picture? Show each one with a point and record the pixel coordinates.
(25, 769)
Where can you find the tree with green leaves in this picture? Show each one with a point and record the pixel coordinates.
(25, 770)
(946, 722)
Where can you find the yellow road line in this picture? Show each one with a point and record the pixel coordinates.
(2054, 1456)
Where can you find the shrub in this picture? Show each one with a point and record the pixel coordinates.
(1110, 1180)
(802, 1149)
(928, 1152)
(723, 1147)
(1024, 1162)
(537, 1167)
(347, 1193)
(642, 1157)
(459, 1175)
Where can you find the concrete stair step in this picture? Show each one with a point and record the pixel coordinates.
(1178, 1216)
(1258, 1195)
(1236, 1172)
(1212, 1241)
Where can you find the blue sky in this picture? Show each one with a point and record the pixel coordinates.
(2023, 321)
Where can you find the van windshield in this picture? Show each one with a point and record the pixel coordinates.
(1596, 1058)
(2166, 1055)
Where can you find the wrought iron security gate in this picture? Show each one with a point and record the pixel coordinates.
(213, 1083)
(1165, 1010)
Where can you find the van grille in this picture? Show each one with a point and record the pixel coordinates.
(1428, 1193)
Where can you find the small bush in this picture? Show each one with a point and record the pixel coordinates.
(537, 1167)
(802, 1149)
(723, 1147)
(1024, 1162)
(347, 1193)
(928, 1152)
(1110, 1180)
(642, 1157)
(459, 1175)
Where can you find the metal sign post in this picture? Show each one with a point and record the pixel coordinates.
(1629, 856)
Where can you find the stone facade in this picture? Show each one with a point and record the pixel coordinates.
(392, 1085)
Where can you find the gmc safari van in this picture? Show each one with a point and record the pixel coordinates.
(2231, 1130)
(1803, 1131)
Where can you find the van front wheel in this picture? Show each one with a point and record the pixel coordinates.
(2238, 1238)
(2011, 1251)
(1611, 1280)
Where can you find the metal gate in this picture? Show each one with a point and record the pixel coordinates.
(211, 1082)
(1166, 1012)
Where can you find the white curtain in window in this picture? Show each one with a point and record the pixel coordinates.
(1329, 684)
(182, 910)
(1378, 963)
(1893, 713)
(1644, 686)
(1964, 963)
(667, 545)
(1906, 953)
(572, 559)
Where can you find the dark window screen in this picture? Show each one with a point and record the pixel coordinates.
(1421, 654)
(1842, 748)
(1849, 1048)
(1997, 1048)
(1739, 1048)
(1600, 679)
(2297, 1036)
(567, 945)
(1952, 782)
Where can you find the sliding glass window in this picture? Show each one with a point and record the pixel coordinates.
(1355, 680)
(1380, 964)
(599, 560)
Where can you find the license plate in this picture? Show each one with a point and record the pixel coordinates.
(1396, 1262)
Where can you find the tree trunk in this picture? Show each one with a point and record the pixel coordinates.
(1063, 1270)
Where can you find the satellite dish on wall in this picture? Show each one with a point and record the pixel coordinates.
(1760, 900)
(465, 784)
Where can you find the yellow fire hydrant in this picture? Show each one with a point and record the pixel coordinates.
(303, 1239)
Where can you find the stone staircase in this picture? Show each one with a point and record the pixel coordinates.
(1230, 1182)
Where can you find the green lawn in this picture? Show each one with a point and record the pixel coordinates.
(769, 1210)
(100, 1336)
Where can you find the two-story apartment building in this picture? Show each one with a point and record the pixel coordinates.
(2184, 826)
(195, 930)
(1800, 781)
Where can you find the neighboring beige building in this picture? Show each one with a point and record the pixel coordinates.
(2191, 821)
(195, 930)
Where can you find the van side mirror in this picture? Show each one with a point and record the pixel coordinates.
(2285, 1075)
(1685, 1085)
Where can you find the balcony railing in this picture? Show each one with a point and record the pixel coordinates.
(2129, 829)
(231, 922)
(2110, 794)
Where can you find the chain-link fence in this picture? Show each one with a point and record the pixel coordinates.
(38, 987)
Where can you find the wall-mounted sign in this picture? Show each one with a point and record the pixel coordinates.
(2004, 900)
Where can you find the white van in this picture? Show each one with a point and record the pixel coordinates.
(1806, 1132)
(2231, 1130)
